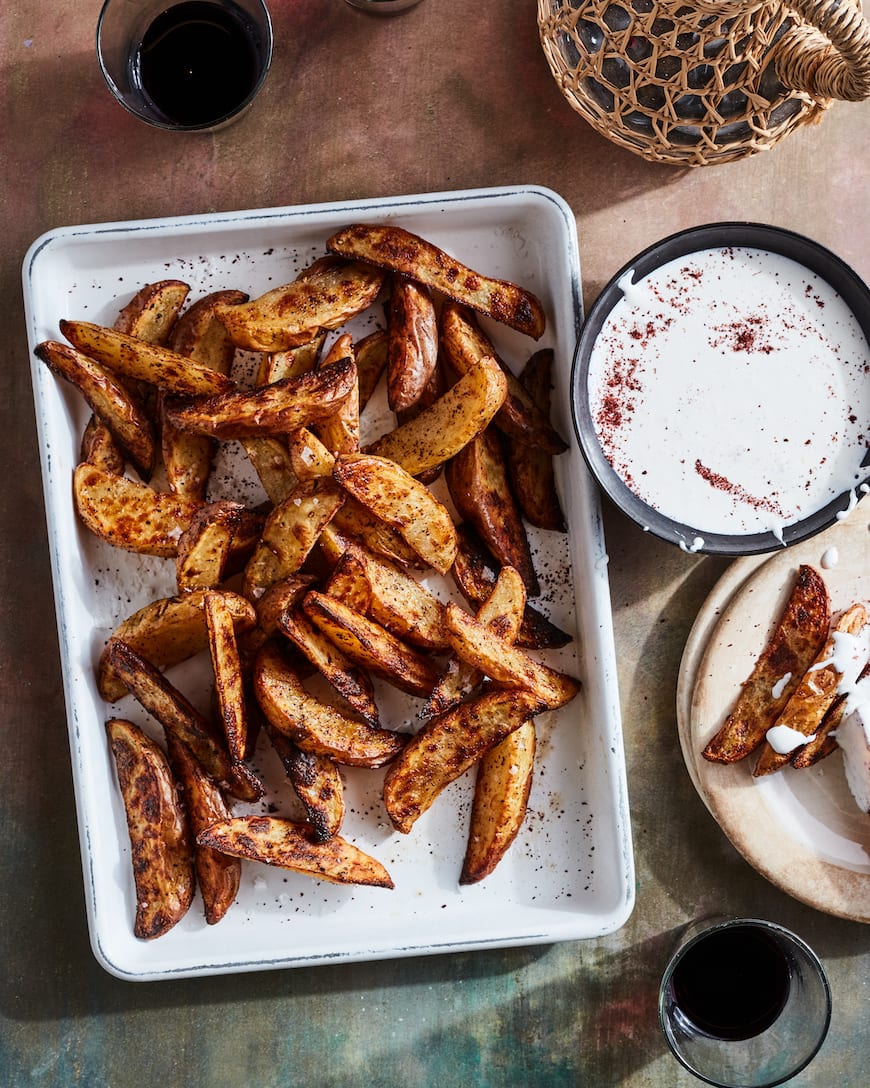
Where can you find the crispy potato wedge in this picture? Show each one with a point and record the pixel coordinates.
(339, 432)
(129, 514)
(505, 663)
(816, 693)
(290, 533)
(271, 410)
(398, 250)
(198, 335)
(530, 469)
(355, 522)
(288, 316)
(187, 458)
(109, 399)
(387, 594)
(276, 841)
(477, 481)
(463, 342)
(798, 635)
(273, 464)
(276, 365)
(413, 343)
(351, 682)
(218, 875)
(317, 783)
(166, 632)
(153, 311)
(502, 612)
(204, 547)
(447, 746)
(163, 701)
(137, 359)
(313, 725)
(501, 797)
(160, 842)
(395, 497)
(227, 666)
(475, 572)
(100, 449)
(438, 433)
(371, 645)
(371, 362)
(278, 598)
(309, 457)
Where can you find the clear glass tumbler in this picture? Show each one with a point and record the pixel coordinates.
(185, 65)
(744, 1003)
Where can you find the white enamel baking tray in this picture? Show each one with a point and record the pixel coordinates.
(569, 875)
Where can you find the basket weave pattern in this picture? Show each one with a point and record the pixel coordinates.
(677, 84)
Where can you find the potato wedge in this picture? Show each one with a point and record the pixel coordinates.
(137, 359)
(131, 515)
(370, 645)
(313, 725)
(395, 497)
(160, 842)
(502, 612)
(276, 841)
(291, 315)
(290, 533)
(413, 343)
(100, 449)
(218, 875)
(463, 342)
(351, 682)
(475, 572)
(153, 311)
(387, 594)
(227, 666)
(187, 458)
(276, 365)
(501, 796)
(279, 598)
(166, 632)
(818, 689)
(109, 399)
(440, 432)
(798, 635)
(339, 432)
(271, 410)
(317, 783)
(530, 469)
(354, 521)
(204, 547)
(198, 335)
(273, 464)
(447, 746)
(371, 362)
(505, 663)
(309, 457)
(400, 251)
(477, 481)
(164, 702)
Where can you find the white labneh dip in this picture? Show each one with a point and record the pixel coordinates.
(730, 391)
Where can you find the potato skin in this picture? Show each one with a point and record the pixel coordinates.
(413, 343)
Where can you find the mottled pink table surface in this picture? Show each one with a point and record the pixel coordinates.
(450, 95)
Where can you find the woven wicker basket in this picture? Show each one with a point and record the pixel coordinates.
(707, 83)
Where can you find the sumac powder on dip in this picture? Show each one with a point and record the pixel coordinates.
(729, 390)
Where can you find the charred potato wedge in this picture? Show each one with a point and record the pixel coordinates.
(276, 841)
(139, 360)
(400, 251)
(325, 297)
(110, 401)
(798, 636)
(218, 875)
(153, 311)
(394, 496)
(198, 335)
(313, 725)
(204, 547)
(278, 599)
(160, 842)
(371, 362)
(477, 481)
(227, 667)
(439, 432)
(317, 783)
(131, 515)
(446, 747)
(412, 345)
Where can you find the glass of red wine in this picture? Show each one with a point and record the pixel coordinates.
(744, 1003)
(185, 65)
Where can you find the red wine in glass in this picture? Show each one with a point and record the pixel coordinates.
(733, 983)
(198, 61)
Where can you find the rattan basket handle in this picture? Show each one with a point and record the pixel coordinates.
(829, 56)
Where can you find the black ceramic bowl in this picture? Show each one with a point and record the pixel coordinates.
(813, 257)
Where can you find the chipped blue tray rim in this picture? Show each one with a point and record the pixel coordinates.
(201, 953)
